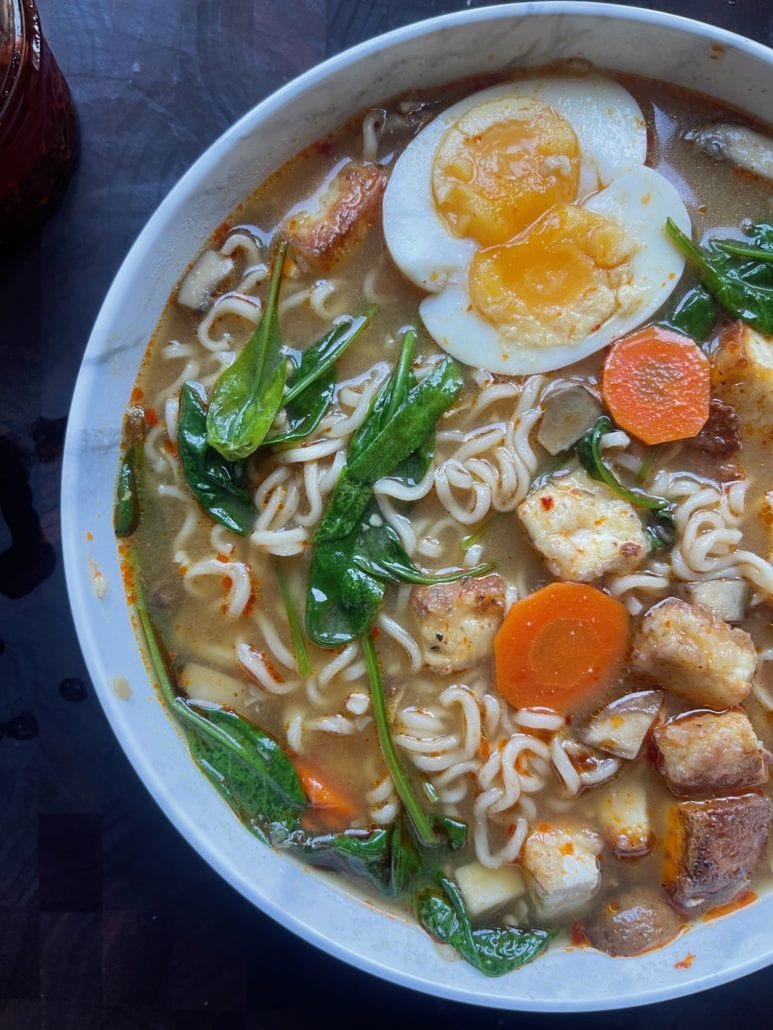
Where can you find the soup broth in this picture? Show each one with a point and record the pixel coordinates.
(566, 826)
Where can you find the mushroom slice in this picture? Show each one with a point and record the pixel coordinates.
(203, 279)
(742, 147)
(621, 727)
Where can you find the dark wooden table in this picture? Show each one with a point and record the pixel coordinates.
(107, 917)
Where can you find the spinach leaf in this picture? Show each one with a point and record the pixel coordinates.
(245, 764)
(217, 483)
(346, 507)
(386, 402)
(249, 393)
(453, 830)
(342, 600)
(302, 660)
(441, 911)
(378, 552)
(761, 234)
(410, 425)
(348, 576)
(406, 859)
(311, 385)
(126, 512)
(400, 779)
(363, 853)
(732, 281)
(589, 452)
(695, 314)
(660, 529)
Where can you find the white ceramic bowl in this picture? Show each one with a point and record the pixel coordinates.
(728, 67)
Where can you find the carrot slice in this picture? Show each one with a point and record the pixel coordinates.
(330, 804)
(560, 647)
(656, 384)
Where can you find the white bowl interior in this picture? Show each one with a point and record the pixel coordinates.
(491, 39)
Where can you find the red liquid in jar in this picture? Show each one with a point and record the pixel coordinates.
(38, 129)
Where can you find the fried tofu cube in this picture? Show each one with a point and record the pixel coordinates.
(582, 528)
(697, 656)
(485, 890)
(624, 819)
(742, 375)
(712, 848)
(457, 622)
(766, 517)
(563, 868)
(703, 753)
(335, 221)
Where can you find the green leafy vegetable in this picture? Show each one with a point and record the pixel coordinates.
(311, 385)
(345, 509)
(245, 764)
(441, 911)
(126, 513)
(363, 853)
(410, 425)
(249, 393)
(453, 831)
(348, 577)
(695, 314)
(744, 288)
(661, 530)
(589, 453)
(302, 660)
(399, 777)
(217, 483)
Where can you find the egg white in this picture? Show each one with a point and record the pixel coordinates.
(612, 137)
(640, 200)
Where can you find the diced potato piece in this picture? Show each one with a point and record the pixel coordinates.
(702, 753)
(568, 412)
(691, 652)
(582, 528)
(203, 279)
(485, 889)
(457, 622)
(742, 374)
(712, 848)
(210, 685)
(562, 864)
(620, 727)
(624, 819)
(726, 598)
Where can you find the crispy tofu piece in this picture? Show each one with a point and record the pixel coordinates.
(624, 819)
(742, 375)
(457, 622)
(697, 656)
(582, 528)
(712, 848)
(563, 868)
(210, 685)
(634, 922)
(485, 890)
(726, 598)
(336, 220)
(621, 726)
(704, 752)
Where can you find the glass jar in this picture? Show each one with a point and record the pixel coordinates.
(38, 129)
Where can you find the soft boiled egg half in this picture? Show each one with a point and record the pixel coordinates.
(527, 214)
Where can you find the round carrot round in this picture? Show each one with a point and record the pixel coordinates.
(560, 647)
(656, 384)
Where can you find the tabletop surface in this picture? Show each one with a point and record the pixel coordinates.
(107, 917)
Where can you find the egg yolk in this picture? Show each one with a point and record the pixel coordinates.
(556, 282)
(501, 166)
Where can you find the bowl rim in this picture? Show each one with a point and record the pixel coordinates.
(150, 777)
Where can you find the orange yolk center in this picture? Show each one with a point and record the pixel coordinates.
(501, 166)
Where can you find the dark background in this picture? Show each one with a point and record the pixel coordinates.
(107, 917)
